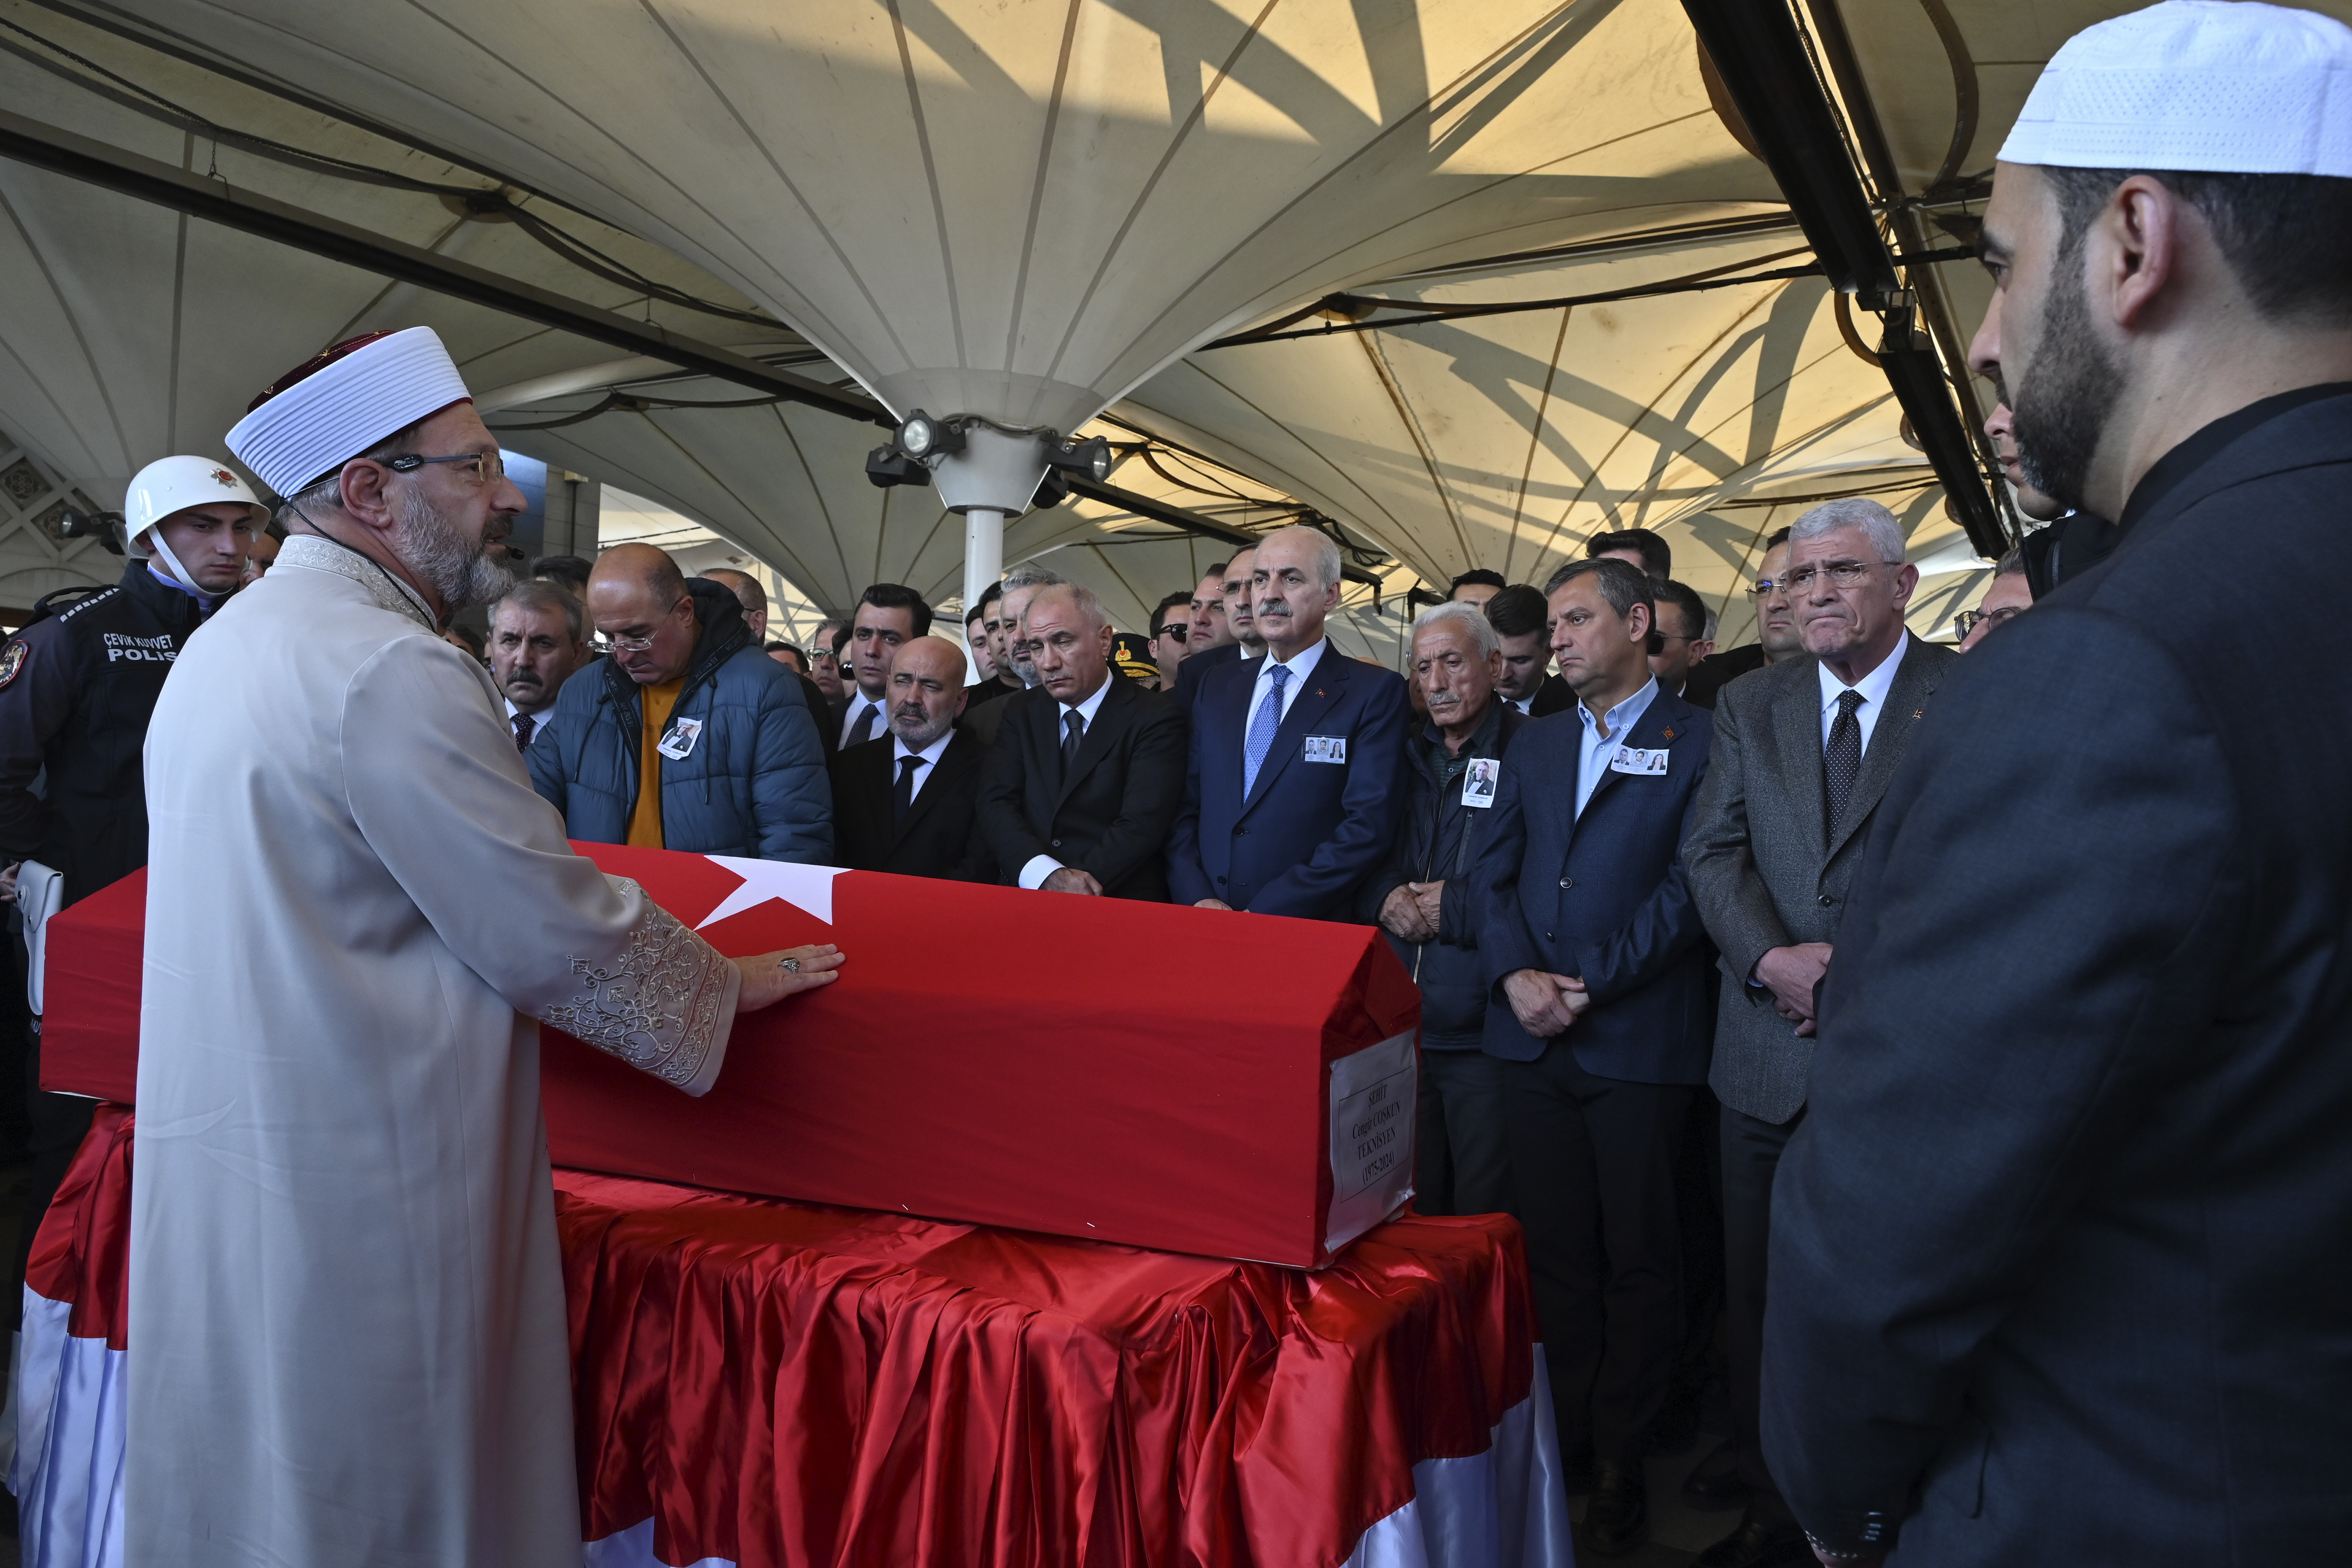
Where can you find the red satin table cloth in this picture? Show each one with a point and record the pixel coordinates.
(785, 1383)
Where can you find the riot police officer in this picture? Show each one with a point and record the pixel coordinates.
(76, 686)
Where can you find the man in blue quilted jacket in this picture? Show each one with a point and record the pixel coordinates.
(688, 737)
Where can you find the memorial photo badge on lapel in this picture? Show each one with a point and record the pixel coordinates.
(1633, 760)
(1326, 748)
(1478, 783)
(679, 742)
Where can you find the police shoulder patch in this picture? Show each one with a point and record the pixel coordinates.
(11, 660)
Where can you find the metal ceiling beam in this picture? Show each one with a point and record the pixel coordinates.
(1766, 68)
(94, 162)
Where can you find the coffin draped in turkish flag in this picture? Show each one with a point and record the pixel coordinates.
(1236, 1085)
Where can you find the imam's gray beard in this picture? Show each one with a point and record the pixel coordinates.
(459, 569)
(2065, 400)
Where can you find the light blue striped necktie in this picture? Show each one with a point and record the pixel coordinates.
(1260, 740)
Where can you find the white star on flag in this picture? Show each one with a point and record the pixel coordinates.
(806, 887)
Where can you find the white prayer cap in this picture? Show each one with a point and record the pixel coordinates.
(322, 414)
(2213, 87)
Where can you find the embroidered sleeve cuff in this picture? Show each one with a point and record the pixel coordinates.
(1039, 868)
(665, 1006)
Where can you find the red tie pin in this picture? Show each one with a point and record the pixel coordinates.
(1668, 734)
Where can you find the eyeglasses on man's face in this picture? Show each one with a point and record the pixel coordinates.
(637, 640)
(489, 468)
(1967, 620)
(1841, 574)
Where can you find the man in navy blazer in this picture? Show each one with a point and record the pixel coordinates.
(1293, 788)
(1600, 1010)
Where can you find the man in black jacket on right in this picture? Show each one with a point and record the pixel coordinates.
(2058, 1269)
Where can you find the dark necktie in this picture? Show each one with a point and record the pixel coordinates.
(1841, 760)
(902, 795)
(1074, 730)
(863, 729)
(524, 725)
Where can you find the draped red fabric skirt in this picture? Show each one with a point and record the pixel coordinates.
(772, 1382)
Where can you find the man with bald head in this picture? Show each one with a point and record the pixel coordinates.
(905, 802)
(689, 737)
(1089, 771)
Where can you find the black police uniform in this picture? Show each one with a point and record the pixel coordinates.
(76, 688)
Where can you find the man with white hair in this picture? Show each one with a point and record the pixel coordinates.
(345, 1284)
(1423, 895)
(2058, 1263)
(1291, 793)
(1804, 750)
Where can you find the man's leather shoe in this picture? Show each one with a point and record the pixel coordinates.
(1617, 1519)
(1758, 1544)
(1713, 1482)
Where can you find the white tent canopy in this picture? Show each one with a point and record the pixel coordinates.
(1023, 211)
(978, 206)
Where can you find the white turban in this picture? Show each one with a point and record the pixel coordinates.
(306, 428)
(2199, 86)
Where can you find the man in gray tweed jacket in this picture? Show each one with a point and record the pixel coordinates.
(1803, 749)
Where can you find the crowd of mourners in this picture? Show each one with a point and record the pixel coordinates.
(2054, 1235)
(1537, 814)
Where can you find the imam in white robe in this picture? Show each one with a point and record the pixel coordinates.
(348, 1341)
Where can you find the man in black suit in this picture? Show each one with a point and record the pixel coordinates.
(1598, 1005)
(1522, 620)
(1002, 680)
(2059, 1260)
(889, 616)
(1776, 628)
(1021, 584)
(1240, 630)
(906, 802)
(1089, 771)
(1804, 753)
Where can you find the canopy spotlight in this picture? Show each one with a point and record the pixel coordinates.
(920, 436)
(101, 526)
(1090, 457)
(887, 466)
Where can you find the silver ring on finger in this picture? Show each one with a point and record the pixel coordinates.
(789, 965)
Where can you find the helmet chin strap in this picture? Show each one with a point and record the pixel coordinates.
(172, 566)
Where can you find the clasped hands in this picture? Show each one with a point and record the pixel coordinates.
(1411, 910)
(1545, 1003)
(1790, 974)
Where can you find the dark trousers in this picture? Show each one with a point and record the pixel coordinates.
(1698, 1192)
(1751, 1154)
(1592, 1172)
(1461, 1163)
